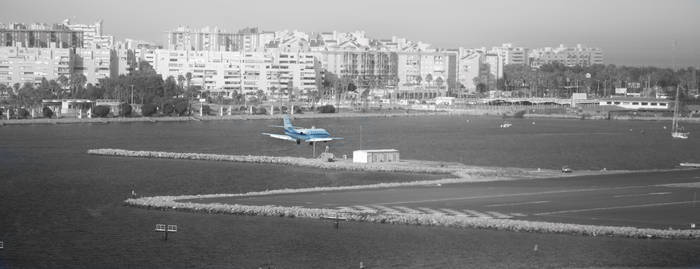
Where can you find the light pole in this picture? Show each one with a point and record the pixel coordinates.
(132, 93)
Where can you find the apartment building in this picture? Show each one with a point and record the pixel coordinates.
(204, 39)
(93, 36)
(425, 74)
(215, 39)
(365, 68)
(471, 65)
(123, 61)
(95, 64)
(21, 65)
(511, 55)
(294, 71)
(468, 69)
(146, 54)
(424, 68)
(289, 41)
(39, 36)
(226, 72)
(569, 56)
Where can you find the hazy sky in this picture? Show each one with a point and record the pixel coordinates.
(630, 32)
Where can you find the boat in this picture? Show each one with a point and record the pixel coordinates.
(566, 169)
(677, 131)
(697, 165)
(505, 124)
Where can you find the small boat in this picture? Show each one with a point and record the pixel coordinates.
(566, 169)
(505, 124)
(677, 132)
(690, 165)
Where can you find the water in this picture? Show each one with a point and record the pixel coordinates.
(60, 207)
(548, 143)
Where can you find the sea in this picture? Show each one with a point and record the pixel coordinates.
(528, 143)
(60, 207)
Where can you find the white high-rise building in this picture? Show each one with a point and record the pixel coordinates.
(511, 55)
(568, 56)
(20, 65)
(225, 72)
(93, 36)
(95, 64)
(470, 65)
(468, 69)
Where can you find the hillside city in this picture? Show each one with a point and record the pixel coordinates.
(45, 62)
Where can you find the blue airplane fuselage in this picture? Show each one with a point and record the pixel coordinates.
(310, 135)
(306, 134)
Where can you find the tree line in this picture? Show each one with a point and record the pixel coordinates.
(557, 79)
(142, 85)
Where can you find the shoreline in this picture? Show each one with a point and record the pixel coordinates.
(416, 113)
(217, 118)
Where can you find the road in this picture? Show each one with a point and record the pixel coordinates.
(645, 200)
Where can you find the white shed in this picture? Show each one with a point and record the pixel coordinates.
(375, 156)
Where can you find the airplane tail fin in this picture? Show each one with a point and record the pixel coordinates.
(288, 123)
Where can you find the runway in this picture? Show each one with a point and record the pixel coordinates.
(659, 200)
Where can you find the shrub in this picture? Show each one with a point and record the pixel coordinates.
(167, 108)
(148, 110)
(22, 113)
(100, 111)
(259, 111)
(297, 110)
(181, 108)
(47, 112)
(205, 110)
(124, 110)
(326, 109)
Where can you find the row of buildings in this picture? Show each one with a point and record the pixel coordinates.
(249, 61)
(63, 35)
(251, 39)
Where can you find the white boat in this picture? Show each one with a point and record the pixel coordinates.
(676, 130)
(690, 165)
(506, 124)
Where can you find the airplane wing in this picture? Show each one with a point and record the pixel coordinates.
(279, 136)
(325, 139)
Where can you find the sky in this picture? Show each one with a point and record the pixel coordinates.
(630, 32)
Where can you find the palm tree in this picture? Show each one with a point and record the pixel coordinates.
(188, 77)
(63, 81)
(428, 79)
(77, 82)
(439, 81)
(181, 79)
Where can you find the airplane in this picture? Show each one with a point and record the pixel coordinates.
(298, 134)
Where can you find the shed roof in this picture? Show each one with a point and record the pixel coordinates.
(376, 150)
